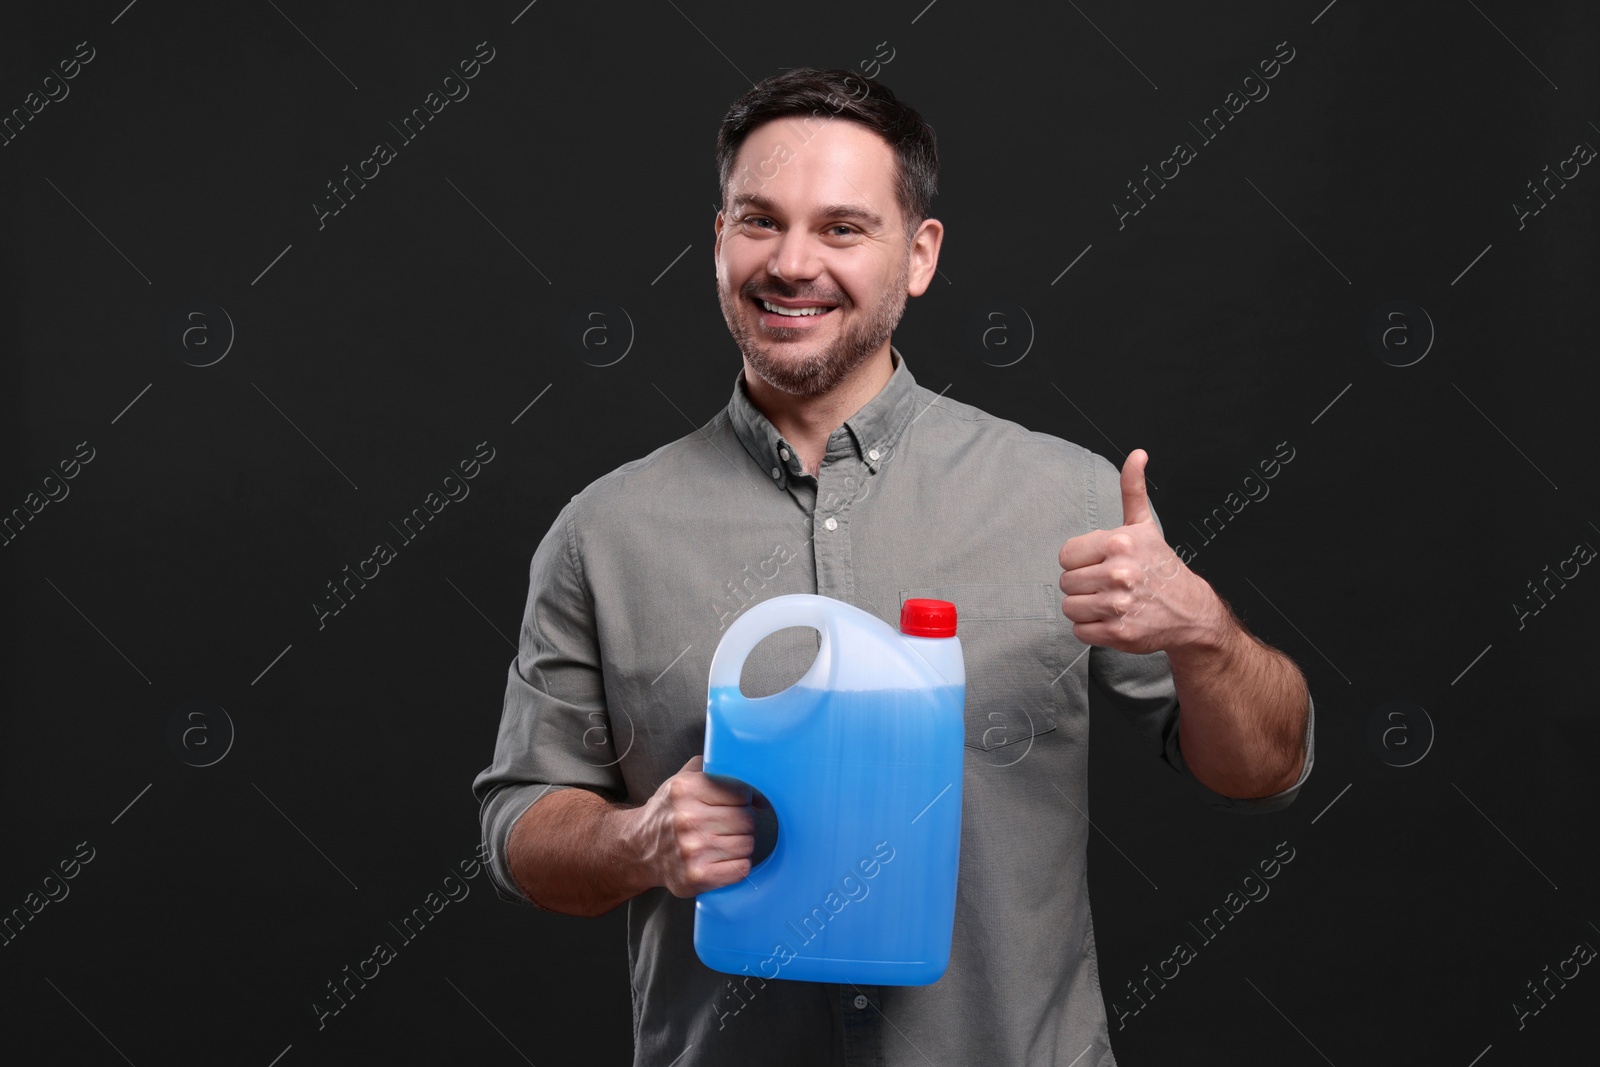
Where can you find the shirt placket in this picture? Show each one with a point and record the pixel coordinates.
(863, 1032)
(839, 484)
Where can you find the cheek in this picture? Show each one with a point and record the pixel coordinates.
(872, 281)
(737, 263)
(864, 287)
(727, 280)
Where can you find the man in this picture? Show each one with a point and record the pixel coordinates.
(832, 472)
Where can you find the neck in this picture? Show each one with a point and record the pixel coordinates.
(807, 421)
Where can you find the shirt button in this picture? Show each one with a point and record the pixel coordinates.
(831, 525)
(783, 454)
(860, 1002)
(775, 473)
(873, 455)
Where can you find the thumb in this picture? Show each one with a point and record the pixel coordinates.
(1135, 501)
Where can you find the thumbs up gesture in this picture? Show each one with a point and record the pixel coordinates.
(1126, 589)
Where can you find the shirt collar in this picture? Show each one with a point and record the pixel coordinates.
(870, 434)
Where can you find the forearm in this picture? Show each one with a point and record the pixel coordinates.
(571, 852)
(1243, 709)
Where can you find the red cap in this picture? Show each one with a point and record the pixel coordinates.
(928, 618)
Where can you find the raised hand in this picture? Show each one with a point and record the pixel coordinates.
(1126, 589)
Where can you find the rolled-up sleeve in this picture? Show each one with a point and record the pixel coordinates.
(554, 729)
(1141, 688)
(1251, 805)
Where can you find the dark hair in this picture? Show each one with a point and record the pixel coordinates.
(850, 96)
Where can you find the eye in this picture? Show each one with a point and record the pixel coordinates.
(757, 221)
(841, 229)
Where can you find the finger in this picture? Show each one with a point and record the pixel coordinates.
(700, 876)
(1096, 633)
(727, 872)
(730, 848)
(712, 788)
(1090, 609)
(1135, 501)
(1108, 607)
(1085, 550)
(721, 820)
(1115, 576)
(1102, 577)
(707, 851)
(717, 790)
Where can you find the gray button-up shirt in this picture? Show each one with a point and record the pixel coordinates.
(917, 495)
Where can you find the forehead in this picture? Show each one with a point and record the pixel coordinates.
(800, 162)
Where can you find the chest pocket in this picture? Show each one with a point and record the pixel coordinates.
(1012, 640)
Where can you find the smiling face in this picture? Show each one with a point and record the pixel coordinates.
(813, 260)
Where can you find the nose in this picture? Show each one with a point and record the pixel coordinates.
(795, 257)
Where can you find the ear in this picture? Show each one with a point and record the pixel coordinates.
(924, 256)
(716, 243)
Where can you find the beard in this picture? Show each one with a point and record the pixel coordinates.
(817, 372)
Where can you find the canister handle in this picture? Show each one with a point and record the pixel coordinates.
(768, 617)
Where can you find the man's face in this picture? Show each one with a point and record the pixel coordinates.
(813, 261)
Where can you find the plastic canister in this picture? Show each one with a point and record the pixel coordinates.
(861, 760)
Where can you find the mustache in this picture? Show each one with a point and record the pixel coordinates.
(755, 290)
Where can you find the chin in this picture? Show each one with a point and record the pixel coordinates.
(790, 376)
(806, 375)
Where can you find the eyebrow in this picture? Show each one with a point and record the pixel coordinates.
(854, 212)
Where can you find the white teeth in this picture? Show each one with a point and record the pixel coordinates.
(777, 309)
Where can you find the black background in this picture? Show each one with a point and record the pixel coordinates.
(424, 318)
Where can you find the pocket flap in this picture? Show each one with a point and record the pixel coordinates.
(1013, 624)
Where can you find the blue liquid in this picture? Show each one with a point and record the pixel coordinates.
(867, 789)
